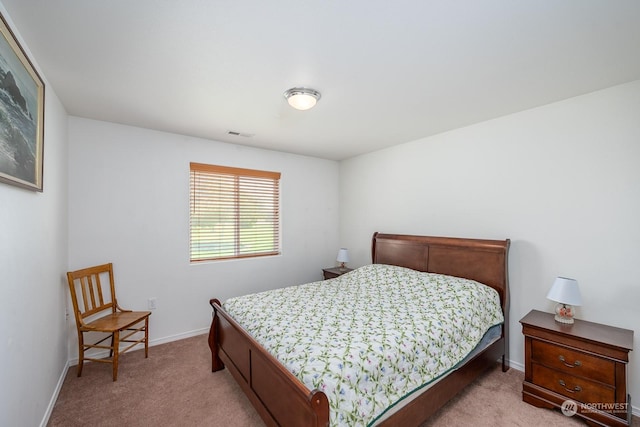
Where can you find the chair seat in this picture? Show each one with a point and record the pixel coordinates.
(116, 321)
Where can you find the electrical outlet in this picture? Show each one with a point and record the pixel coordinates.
(152, 303)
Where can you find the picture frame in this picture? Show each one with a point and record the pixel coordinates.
(21, 115)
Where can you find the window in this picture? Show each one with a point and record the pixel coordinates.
(234, 213)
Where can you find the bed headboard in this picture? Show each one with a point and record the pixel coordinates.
(484, 261)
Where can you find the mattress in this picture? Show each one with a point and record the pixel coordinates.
(493, 334)
(372, 337)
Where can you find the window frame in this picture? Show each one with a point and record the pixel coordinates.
(238, 203)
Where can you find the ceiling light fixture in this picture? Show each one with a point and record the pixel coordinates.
(302, 98)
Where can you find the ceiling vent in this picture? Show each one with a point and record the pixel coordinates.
(235, 133)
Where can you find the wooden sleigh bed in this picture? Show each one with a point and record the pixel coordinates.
(281, 399)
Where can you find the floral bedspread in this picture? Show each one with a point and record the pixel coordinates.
(371, 337)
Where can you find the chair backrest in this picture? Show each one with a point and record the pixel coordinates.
(87, 293)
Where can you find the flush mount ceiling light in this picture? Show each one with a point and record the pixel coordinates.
(302, 98)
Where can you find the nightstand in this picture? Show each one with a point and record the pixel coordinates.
(584, 362)
(330, 273)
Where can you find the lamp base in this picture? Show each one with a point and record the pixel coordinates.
(564, 314)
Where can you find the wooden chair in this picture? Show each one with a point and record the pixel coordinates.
(90, 304)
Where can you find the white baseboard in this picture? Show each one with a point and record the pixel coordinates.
(54, 398)
(516, 365)
(180, 336)
(157, 341)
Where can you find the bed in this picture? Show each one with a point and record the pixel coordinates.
(281, 398)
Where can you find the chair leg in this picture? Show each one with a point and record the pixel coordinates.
(80, 352)
(111, 349)
(146, 337)
(116, 352)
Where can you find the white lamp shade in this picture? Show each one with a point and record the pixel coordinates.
(565, 291)
(343, 255)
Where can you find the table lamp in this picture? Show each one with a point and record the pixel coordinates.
(343, 256)
(566, 293)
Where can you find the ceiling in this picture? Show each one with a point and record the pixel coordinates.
(389, 71)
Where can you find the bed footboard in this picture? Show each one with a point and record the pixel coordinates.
(278, 396)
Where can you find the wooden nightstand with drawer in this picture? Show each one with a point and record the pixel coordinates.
(333, 272)
(583, 362)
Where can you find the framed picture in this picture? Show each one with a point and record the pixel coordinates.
(21, 115)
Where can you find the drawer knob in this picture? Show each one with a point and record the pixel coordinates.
(575, 389)
(575, 364)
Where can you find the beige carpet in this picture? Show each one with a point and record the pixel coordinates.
(175, 387)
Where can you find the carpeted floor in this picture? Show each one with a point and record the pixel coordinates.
(175, 387)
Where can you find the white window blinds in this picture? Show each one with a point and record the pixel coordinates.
(234, 213)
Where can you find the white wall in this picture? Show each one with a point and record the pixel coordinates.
(561, 181)
(129, 204)
(33, 260)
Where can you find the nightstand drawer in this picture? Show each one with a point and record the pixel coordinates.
(575, 388)
(573, 362)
